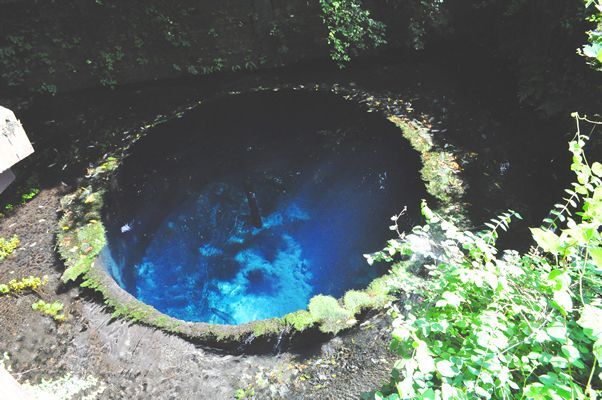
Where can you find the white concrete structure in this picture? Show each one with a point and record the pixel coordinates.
(14, 145)
(10, 388)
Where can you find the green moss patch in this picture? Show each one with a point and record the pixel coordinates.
(356, 301)
(300, 320)
(328, 313)
(440, 170)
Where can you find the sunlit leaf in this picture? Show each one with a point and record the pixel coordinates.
(547, 240)
(446, 368)
(563, 301)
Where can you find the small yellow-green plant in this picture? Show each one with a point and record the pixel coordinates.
(247, 393)
(53, 309)
(8, 246)
(33, 283)
(30, 194)
(18, 286)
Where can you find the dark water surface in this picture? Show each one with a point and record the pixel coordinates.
(248, 206)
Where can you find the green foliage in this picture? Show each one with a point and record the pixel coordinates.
(7, 247)
(33, 284)
(106, 66)
(53, 309)
(491, 325)
(247, 393)
(30, 194)
(327, 311)
(593, 51)
(48, 88)
(350, 29)
(426, 14)
(23, 193)
(173, 33)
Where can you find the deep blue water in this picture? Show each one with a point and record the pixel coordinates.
(246, 215)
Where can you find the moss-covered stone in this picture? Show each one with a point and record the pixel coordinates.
(328, 313)
(356, 301)
(440, 170)
(419, 138)
(273, 325)
(300, 320)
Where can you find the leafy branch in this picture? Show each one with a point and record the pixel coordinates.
(350, 29)
(511, 325)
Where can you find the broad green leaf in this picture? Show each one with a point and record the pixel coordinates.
(563, 301)
(591, 319)
(590, 51)
(426, 364)
(548, 379)
(449, 299)
(596, 254)
(560, 280)
(559, 362)
(571, 352)
(557, 331)
(452, 299)
(428, 395)
(486, 394)
(547, 240)
(541, 336)
(597, 350)
(446, 368)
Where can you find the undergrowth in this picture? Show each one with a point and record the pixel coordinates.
(8, 246)
(54, 309)
(504, 325)
(18, 286)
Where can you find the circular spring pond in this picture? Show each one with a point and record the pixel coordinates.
(248, 206)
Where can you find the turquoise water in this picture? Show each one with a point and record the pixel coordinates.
(262, 214)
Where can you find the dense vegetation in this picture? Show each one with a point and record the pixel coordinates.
(509, 325)
(535, 41)
(505, 325)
